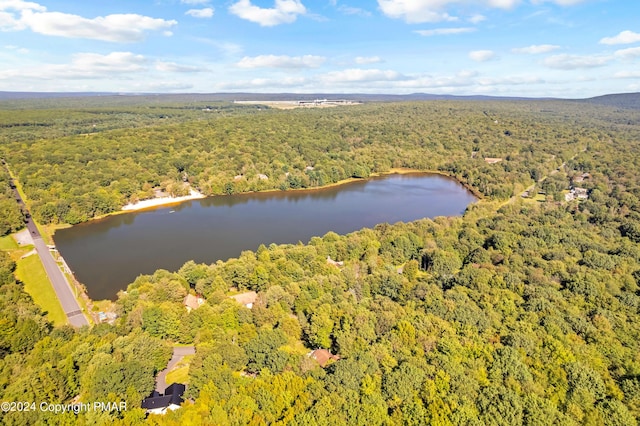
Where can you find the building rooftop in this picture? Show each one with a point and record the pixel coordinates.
(247, 299)
(322, 356)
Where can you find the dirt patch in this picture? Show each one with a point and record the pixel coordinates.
(23, 238)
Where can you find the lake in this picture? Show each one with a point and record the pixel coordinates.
(108, 254)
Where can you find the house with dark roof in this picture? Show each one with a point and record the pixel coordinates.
(171, 400)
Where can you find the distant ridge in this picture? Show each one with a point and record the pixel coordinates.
(246, 96)
(43, 95)
(620, 100)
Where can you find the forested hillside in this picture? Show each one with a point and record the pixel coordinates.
(71, 179)
(525, 311)
(619, 100)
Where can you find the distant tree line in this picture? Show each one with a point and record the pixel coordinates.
(71, 179)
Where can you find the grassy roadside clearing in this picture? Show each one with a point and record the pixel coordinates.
(31, 272)
(8, 243)
(180, 373)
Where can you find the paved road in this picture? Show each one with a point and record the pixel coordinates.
(58, 279)
(178, 353)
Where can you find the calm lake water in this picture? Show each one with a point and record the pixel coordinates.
(108, 254)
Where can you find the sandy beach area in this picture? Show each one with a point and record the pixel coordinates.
(163, 201)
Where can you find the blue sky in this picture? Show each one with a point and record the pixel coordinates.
(559, 48)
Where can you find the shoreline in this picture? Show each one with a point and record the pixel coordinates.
(392, 171)
(194, 195)
(162, 201)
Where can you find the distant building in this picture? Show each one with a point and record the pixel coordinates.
(160, 404)
(582, 177)
(109, 317)
(327, 102)
(192, 302)
(333, 262)
(323, 356)
(581, 193)
(492, 160)
(247, 299)
(577, 193)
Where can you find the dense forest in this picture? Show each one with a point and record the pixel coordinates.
(11, 217)
(524, 311)
(71, 179)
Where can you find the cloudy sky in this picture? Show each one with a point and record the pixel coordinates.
(560, 48)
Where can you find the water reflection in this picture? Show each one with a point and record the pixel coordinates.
(108, 254)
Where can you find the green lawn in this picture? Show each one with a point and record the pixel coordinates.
(8, 243)
(31, 272)
(180, 373)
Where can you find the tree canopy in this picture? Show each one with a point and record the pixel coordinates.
(524, 311)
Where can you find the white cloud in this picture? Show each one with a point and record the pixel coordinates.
(631, 52)
(536, 49)
(155, 86)
(349, 10)
(429, 83)
(362, 60)
(625, 37)
(263, 83)
(192, 2)
(9, 21)
(284, 12)
(627, 74)
(20, 5)
(560, 2)
(113, 62)
(83, 66)
(445, 31)
(16, 49)
(207, 12)
(173, 67)
(482, 55)
(572, 62)
(417, 11)
(361, 75)
(228, 48)
(273, 61)
(115, 28)
(476, 19)
(510, 80)
(503, 4)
